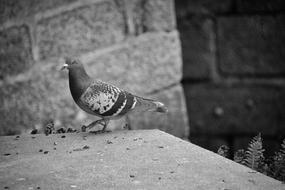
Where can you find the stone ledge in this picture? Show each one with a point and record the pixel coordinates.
(144, 159)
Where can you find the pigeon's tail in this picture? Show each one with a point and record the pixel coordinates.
(145, 104)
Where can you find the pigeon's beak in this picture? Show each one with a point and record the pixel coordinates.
(64, 66)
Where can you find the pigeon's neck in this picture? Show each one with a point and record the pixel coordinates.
(78, 82)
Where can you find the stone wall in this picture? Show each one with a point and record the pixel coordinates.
(132, 44)
(234, 71)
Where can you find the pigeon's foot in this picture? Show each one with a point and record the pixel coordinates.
(100, 131)
(102, 122)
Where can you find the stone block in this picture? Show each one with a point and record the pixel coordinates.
(141, 65)
(260, 5)
(234, 110)
(159, 15)
(15, 50)
(197, 40)
(133, 15)
(186, 7)
(174, 122)
(82, 29)
(14, 9)
(251, 45)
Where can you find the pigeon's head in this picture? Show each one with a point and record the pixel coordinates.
(71, 63)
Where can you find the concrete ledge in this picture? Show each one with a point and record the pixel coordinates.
(142, 159)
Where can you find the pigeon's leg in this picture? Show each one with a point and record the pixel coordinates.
(91, 125)
(103, 122)
(106, 121)
(127, 123)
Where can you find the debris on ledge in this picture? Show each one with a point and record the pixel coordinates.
(139, 159)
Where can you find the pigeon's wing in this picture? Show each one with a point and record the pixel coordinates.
(106, 100)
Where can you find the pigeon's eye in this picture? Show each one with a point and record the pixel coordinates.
(73, 62)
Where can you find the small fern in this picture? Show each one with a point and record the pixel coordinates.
(254, 155)
(254, 158)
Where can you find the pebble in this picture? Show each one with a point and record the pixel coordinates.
(86, 147)
(34, 131)
(61, 130)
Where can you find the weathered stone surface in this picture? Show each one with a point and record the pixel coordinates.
(141, 159)
(133, 15)
(260, 5)
(141, 65)
(15, 50)
(217, 110)
(159, 15)
(185, 7)
(197, 40)
(174, 122)
(251, 45)
(14, 9)
(82, 29)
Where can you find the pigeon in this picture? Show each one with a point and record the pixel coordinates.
(102, 99)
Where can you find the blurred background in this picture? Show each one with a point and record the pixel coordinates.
(217, 65)
(234, 71)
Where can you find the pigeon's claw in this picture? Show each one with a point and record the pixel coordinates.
(103, 122)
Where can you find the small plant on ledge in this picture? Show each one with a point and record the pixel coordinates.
(254, 158)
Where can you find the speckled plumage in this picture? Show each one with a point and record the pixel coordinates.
(102, 99)
(106, 100)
